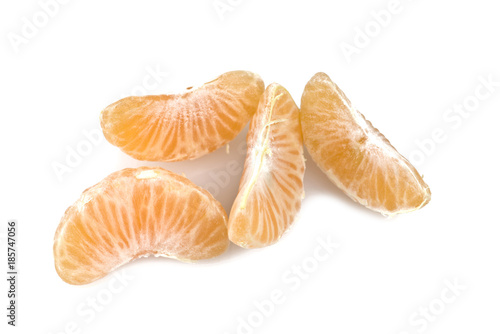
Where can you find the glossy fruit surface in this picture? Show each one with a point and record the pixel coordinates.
(271, 187)
(186, 125)
(135, 213)
(355, 155)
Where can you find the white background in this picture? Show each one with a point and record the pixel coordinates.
(385, 272)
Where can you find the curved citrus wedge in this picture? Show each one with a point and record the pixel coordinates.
(185, 125)
(271, 187)
(355, 155)
(135, 213)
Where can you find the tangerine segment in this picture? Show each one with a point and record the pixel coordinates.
(186, 125)
(135, 213)
(355, 155)
(271, 187)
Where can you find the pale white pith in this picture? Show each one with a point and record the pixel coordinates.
(374, 144)
(183, 125)
(260, 151)
(269, 197)
(159, 235)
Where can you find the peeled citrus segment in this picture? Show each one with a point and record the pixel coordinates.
(134, 213)
(185, 125)
(355, 155)
(271, 187)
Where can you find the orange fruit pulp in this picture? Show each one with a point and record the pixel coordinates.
(186, 125)
(355, 155)
(135, 213)
(271, 187)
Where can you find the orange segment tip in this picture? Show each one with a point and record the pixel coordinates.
(136, 213)
(355, 155)
(186, 125)
(271, 186)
